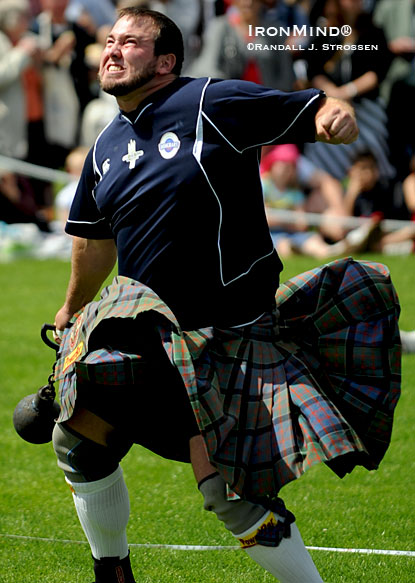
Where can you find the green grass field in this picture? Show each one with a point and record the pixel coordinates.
(366, 510)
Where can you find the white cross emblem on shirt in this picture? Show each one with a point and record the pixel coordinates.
(132, 155)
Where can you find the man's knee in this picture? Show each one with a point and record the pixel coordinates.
(237, 515)
(250, 523)
(81, 459)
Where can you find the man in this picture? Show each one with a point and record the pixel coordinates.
(167, 189)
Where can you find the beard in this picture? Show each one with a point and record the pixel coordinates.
(122, 88)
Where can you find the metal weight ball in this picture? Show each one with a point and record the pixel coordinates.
(34, 416)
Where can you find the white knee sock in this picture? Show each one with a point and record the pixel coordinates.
(290, 562)
(103, 509)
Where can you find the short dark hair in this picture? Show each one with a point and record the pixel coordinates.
(168, 39)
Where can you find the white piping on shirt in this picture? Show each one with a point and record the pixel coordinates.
(136, 119)
(248, 323)
(197, 153)
(265, 143)
(97, 170)
(86, 222)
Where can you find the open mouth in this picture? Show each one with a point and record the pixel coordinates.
(114, 68)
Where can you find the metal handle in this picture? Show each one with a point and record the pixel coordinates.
(44, 335)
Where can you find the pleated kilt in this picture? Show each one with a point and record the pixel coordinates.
(317, 380)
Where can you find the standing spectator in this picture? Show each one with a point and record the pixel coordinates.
(397, 18)
(225, 53)
(21, 95)
(18, 51)
(353, 75)
(96, 13)
(66, 77)
(290, 13)
(93, 17)
(188, 16)
(285, 13)
(34, 7)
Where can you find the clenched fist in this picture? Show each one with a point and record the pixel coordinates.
(336, 122)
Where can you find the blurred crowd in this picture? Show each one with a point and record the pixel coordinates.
(52, 108)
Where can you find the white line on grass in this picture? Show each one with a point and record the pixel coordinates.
(214, 547)
(365, 551)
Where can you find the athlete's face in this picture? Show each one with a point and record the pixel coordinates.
(128, 60)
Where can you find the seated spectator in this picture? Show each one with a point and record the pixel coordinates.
(324, 196)
(225, 52)
(366, 195)
(281, 191)
(355, 76)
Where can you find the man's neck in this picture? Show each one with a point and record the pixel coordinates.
(131, 101)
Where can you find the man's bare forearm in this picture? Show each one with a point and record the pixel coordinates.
(92, 262)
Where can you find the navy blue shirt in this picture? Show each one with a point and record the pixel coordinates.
(176, 184)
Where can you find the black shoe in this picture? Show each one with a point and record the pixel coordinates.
(113, 570)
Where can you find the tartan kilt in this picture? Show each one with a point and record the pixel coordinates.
(316, 380)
